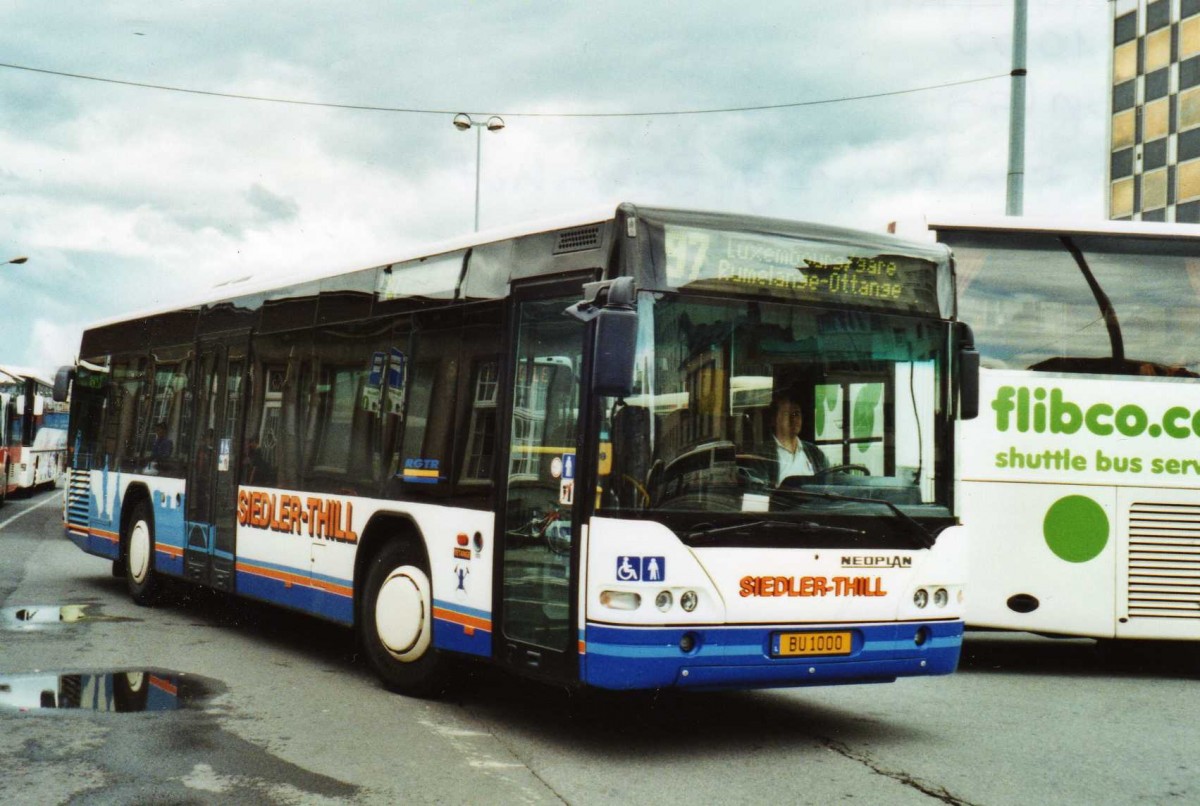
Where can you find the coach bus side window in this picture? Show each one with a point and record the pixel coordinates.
(1027, 306)
(1151, 294)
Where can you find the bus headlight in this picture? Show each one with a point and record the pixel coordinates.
(941, 597)
(688, 601)
(620, 600)
(664, 600)
(921, 598)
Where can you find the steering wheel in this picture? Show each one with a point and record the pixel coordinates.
(753, 471)
(825, 471)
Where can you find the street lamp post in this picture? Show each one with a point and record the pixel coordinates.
(462, 122)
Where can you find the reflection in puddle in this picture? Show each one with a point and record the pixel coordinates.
(119, 692)
(33, 616)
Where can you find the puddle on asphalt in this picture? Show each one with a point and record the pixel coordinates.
(32, 617)
(112, 692)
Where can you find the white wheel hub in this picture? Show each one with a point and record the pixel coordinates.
(402, 613)
(139, 551)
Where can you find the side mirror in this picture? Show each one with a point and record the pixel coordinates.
(610, 307)
(616, 346)
(968, 375)
(62, 384)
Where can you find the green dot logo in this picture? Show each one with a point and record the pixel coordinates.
(1076, 528)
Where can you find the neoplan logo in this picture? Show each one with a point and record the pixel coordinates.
(1042, 411)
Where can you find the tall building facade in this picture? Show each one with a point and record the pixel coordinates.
(1154, 137)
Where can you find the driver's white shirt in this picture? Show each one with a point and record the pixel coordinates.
(792, 464)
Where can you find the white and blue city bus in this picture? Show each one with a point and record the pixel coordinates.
(543, 448)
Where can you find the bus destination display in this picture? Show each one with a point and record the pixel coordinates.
(800, 269)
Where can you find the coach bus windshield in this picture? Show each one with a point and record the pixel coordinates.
(756, 406)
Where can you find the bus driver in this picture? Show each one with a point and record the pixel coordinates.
(793, 456)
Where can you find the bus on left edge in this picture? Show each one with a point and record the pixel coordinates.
(34, 439)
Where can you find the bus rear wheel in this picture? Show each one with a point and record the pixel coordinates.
(396, 623)
(140, 576)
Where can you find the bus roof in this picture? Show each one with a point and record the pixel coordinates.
(246, 286)
(243, 288)
(1059, 226)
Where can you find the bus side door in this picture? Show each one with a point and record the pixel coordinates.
(536, 522)
(209, 552)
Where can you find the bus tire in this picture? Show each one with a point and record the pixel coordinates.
(396, 622)
(140, 576)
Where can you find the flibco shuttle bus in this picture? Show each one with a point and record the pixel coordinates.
(1081, 477)
(537, 448)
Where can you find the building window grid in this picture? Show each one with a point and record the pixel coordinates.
(1179, 42)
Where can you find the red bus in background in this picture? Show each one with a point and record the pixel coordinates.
(32, 433)
(6, 418)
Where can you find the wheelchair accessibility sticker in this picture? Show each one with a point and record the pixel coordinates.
(641, 569)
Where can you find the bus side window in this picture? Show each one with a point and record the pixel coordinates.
(421, 465)
(124, 429)
(476, 443)
(279, 371)
(162, 446)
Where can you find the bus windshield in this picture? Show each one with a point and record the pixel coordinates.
(740, 403)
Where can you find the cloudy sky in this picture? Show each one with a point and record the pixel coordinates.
(125, 198)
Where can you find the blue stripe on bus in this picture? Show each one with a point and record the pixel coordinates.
(486, 615)
(171, 564)
(290, 587)
(727, 657)
(92, 544)
(459, 628)
(276, 591)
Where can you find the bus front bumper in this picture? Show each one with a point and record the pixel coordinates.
(748, 657)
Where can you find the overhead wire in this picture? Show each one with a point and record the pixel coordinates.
(426, 111)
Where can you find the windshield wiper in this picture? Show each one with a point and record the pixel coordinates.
(923, 536)
(802, 527)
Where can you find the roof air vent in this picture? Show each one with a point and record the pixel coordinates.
(577, 240)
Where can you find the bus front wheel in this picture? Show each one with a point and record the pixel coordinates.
(140, 576)
(396, 623)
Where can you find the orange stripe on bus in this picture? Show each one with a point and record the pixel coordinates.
(295, 579)
(164, 685)
(165, 548)
(271, 573)
(332, 587)
(462, 618)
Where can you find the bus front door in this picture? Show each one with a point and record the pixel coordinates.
(209, 553)
(536, 520)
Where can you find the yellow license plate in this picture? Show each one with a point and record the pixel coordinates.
(793, 644)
